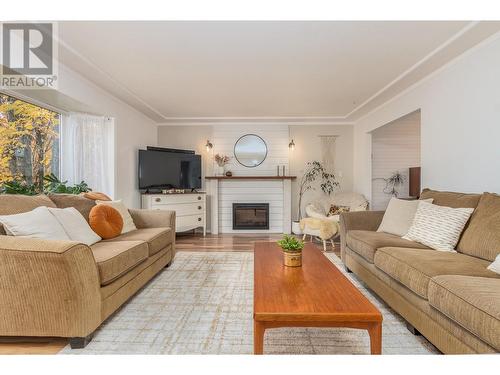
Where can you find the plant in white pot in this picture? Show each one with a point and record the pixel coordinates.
(313, 171)
(221, 161)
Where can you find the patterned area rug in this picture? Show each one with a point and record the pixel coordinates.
(203, 304)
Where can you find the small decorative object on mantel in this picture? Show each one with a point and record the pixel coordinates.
(229, 174)
(292, 250)
(221, 161)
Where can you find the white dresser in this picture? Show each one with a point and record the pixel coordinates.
(190, 208)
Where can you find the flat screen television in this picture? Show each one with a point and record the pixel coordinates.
(169, 170)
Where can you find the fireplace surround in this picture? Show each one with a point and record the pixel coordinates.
(250, 216)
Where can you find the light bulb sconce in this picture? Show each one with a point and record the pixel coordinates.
(209, 145)
(291, 145)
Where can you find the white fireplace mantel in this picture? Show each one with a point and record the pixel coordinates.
(275, 190)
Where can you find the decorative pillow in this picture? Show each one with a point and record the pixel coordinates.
(495, 266)
(128, 223)
(106, 221)
(75, 225)
(438, 227)
(337, 210)
(38, 223)
(399, 215)
(82, 204)
(95, 195)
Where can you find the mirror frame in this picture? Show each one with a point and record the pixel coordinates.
(236, 157)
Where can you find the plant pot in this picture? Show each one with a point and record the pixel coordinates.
(296, 228)
(292, 259)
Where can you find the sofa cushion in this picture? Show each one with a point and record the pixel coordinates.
(116, 258)
(11, 204)
(414, 268)
(156, 238)
(472, 302)
(482, 236)
(82, 204)
(451, 199)
(366, 243)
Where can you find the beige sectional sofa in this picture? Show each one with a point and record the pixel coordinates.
(450, 298)
(67, 289)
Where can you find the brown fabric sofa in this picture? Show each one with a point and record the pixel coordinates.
(450, 298)
(67, 289)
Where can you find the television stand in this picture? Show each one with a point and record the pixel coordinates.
(190, 208)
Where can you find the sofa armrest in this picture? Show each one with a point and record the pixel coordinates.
(359, 220)
(48, 288)
(155, 219)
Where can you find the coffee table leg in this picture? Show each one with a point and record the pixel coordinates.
(258, 337)
(375, 332)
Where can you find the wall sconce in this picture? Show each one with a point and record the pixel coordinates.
(209, 145)
(291, 145)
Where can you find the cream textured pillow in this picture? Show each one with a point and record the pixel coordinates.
(128, 223)
(495, 266)
(75, 225)
(38, 223)
(399, 215)
(438, 227)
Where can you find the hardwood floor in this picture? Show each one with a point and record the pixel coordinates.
(184, 242)
(230, 242)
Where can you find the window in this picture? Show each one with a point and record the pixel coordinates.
(29, 141)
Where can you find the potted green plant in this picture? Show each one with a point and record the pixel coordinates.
(292, 250)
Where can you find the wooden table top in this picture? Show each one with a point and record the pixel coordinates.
(317, 291)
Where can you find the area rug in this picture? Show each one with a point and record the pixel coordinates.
(203, 304)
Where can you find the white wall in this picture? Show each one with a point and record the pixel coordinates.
(133, 130)
(395, 147)
(460, 124)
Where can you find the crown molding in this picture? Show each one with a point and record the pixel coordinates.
(285, 120)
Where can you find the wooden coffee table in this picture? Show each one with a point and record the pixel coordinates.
(314, 295)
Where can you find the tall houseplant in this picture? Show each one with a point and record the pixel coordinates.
(315, 170)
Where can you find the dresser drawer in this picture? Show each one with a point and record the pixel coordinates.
(177, 198)
(183, 223)
(182, 209)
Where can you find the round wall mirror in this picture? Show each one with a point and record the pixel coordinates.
(250, 150)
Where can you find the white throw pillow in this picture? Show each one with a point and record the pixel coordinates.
(399, 215)
(128, 223)
(38, 223)
(438, 227)
(495, 266)
(75, 225)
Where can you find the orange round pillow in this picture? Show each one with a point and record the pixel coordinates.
(106, 221)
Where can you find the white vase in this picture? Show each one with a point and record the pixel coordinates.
(220, 171)
(296, 227)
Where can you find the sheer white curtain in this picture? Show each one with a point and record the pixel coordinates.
(87, 151)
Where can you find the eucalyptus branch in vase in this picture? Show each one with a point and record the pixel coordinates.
(313, 171)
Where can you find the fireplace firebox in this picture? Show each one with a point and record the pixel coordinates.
(250, 215)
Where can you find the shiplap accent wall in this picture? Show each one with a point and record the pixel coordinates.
(395, 147)
(277, 139)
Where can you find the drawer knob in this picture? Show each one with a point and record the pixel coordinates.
(199, 207)
(199, 219)
(158, 200)
(199, 198)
